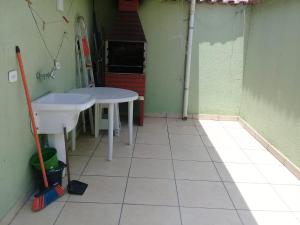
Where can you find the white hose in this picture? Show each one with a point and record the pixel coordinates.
(188, 59)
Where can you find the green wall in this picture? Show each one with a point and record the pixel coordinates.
(271, 92)
(217, 69)
(218, 50)
(165, 27)
(262, 45)
(17, 28)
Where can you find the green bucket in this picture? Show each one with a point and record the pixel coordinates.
(50, 159)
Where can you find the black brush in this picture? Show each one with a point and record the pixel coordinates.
(74, 187)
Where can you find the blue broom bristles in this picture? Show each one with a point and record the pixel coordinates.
(51, 196)
(46, 197)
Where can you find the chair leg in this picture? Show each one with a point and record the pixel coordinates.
(83, 121)
(100, 115)
(91, 120)
(74, 139)
(141, 113)
(110, 131)
(117, 120)
(97, 120)
(130, 121)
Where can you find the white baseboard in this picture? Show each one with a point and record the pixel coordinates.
(194, 116)
(156, 115)
(273, 150)
(215, 117)
(166, 115)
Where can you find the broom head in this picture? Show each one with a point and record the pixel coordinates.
(44, 198)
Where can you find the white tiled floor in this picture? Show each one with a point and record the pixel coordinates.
(177, 173)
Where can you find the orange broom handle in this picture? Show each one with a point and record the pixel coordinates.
(36, 137)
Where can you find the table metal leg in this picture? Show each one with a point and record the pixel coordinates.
(110, 131)
(130, 120)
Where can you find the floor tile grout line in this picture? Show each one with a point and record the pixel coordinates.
(271, 185)
(173, 166)
(180, 179)
(140, 158)
(60, 212)
(185, 179)
(187, 160)
(265, 177)
(256, 167)
(200, 207)
(18, 211)
(165, 145)
(68, 197)
(91, 156)
(182, 206)
(127, 180)
(63, 202)
(250, 161)
(232, 202)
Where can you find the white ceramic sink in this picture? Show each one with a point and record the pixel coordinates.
(56, 110)
(63, 101)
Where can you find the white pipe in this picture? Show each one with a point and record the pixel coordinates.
(188, 59)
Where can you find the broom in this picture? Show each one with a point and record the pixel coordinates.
(50, 194)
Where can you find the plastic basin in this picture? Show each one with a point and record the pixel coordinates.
(50, 159)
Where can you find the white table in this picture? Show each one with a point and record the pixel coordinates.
(110, 96)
